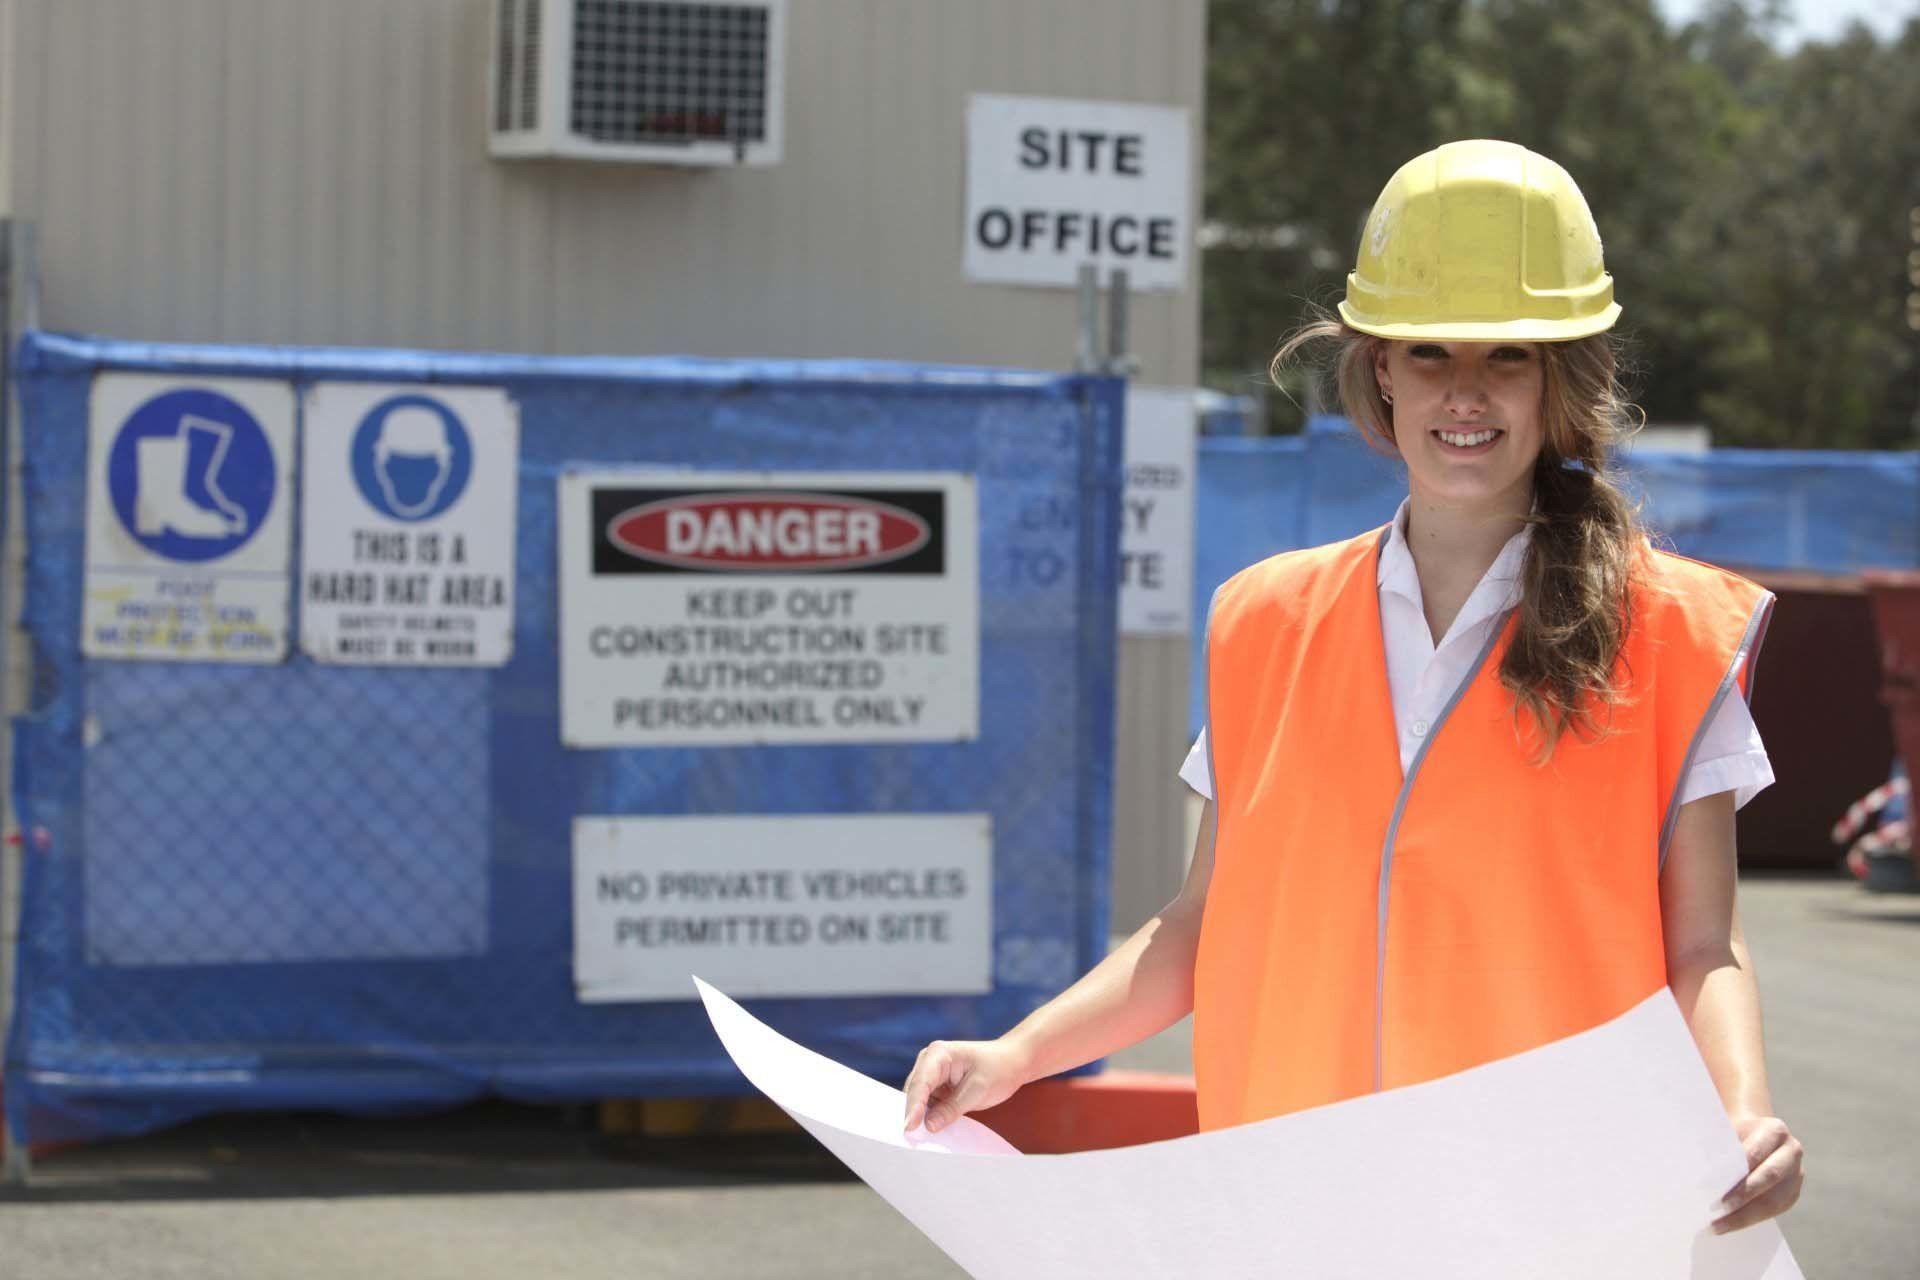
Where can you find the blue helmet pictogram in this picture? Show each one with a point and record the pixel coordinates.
(411, 457)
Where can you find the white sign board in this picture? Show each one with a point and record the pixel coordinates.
(703, 608)
(1053, 183)
(188, 491)
(1156, 529)
(407, 524)
(849, 904)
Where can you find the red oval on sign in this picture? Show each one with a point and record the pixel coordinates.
(768, 532)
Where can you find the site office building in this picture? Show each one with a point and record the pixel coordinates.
(376, 173)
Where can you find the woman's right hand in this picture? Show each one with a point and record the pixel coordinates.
(953, 1077)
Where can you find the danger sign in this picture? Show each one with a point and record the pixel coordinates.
(778, 531)
(748, 607)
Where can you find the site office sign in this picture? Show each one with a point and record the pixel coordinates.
(713, 608)
(1053, 183)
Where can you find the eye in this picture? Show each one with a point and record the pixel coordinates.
(1514, 354)
(1427, 351)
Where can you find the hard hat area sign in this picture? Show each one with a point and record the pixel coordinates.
(407, 534)
(748, 607)
(187, 524)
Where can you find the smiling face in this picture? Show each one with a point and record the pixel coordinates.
(1466, 419)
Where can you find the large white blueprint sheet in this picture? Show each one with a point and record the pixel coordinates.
(1598, 1156)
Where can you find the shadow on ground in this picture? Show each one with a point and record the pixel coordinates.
(487, 1147)
(1875, 908)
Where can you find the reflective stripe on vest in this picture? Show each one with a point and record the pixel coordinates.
(1364, 931)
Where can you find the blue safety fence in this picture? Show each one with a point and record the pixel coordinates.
(297, 885)
(1748, 509)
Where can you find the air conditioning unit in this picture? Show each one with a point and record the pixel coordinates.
(638, 81)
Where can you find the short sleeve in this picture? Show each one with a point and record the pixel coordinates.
(1193, 770)
(1731, 757)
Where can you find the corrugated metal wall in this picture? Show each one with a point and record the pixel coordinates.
(286, 171)
(316, 172)
(7, 115)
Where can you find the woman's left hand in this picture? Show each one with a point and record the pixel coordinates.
(1774, 1173)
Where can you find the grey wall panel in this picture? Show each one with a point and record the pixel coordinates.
(1149, 809)
(7, 107)
(285, 171)
(316, 171)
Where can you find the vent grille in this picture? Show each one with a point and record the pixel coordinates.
(649, 73)
(503, 60)
(516, 71)
(530, 64)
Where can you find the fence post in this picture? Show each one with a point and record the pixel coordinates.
(19, 310)
(1120, 362)
(1086, 354)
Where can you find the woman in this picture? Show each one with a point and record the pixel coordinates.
(1471, 777)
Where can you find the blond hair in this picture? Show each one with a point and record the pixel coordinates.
(1564, 665)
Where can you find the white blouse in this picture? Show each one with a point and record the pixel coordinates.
(1422, 676)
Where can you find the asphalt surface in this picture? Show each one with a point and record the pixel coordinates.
(527, 1192)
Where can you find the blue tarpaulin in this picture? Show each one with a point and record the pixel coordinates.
(1747, 509)
(294, 884)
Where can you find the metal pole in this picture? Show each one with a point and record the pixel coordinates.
(19, 310)
(1913, 321)
(1086, 357)
(1118, 299)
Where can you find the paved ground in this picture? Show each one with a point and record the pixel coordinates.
(511, 1192)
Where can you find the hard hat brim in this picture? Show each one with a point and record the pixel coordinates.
(1532, 329)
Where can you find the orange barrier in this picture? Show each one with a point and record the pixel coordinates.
(1047, 1117)
(1088, 1113)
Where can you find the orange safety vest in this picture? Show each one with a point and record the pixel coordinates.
(1363, 931)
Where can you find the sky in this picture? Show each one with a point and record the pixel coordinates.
(1823, 19)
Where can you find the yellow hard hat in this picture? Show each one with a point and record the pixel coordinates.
(1480, 242)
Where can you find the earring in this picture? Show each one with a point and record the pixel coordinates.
(1387, 396)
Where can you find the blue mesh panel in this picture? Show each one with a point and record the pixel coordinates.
(299, 885)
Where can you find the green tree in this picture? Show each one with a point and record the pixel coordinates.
(1809, 245)
(1644, 127)
(1753, 203)
(1310, 105)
